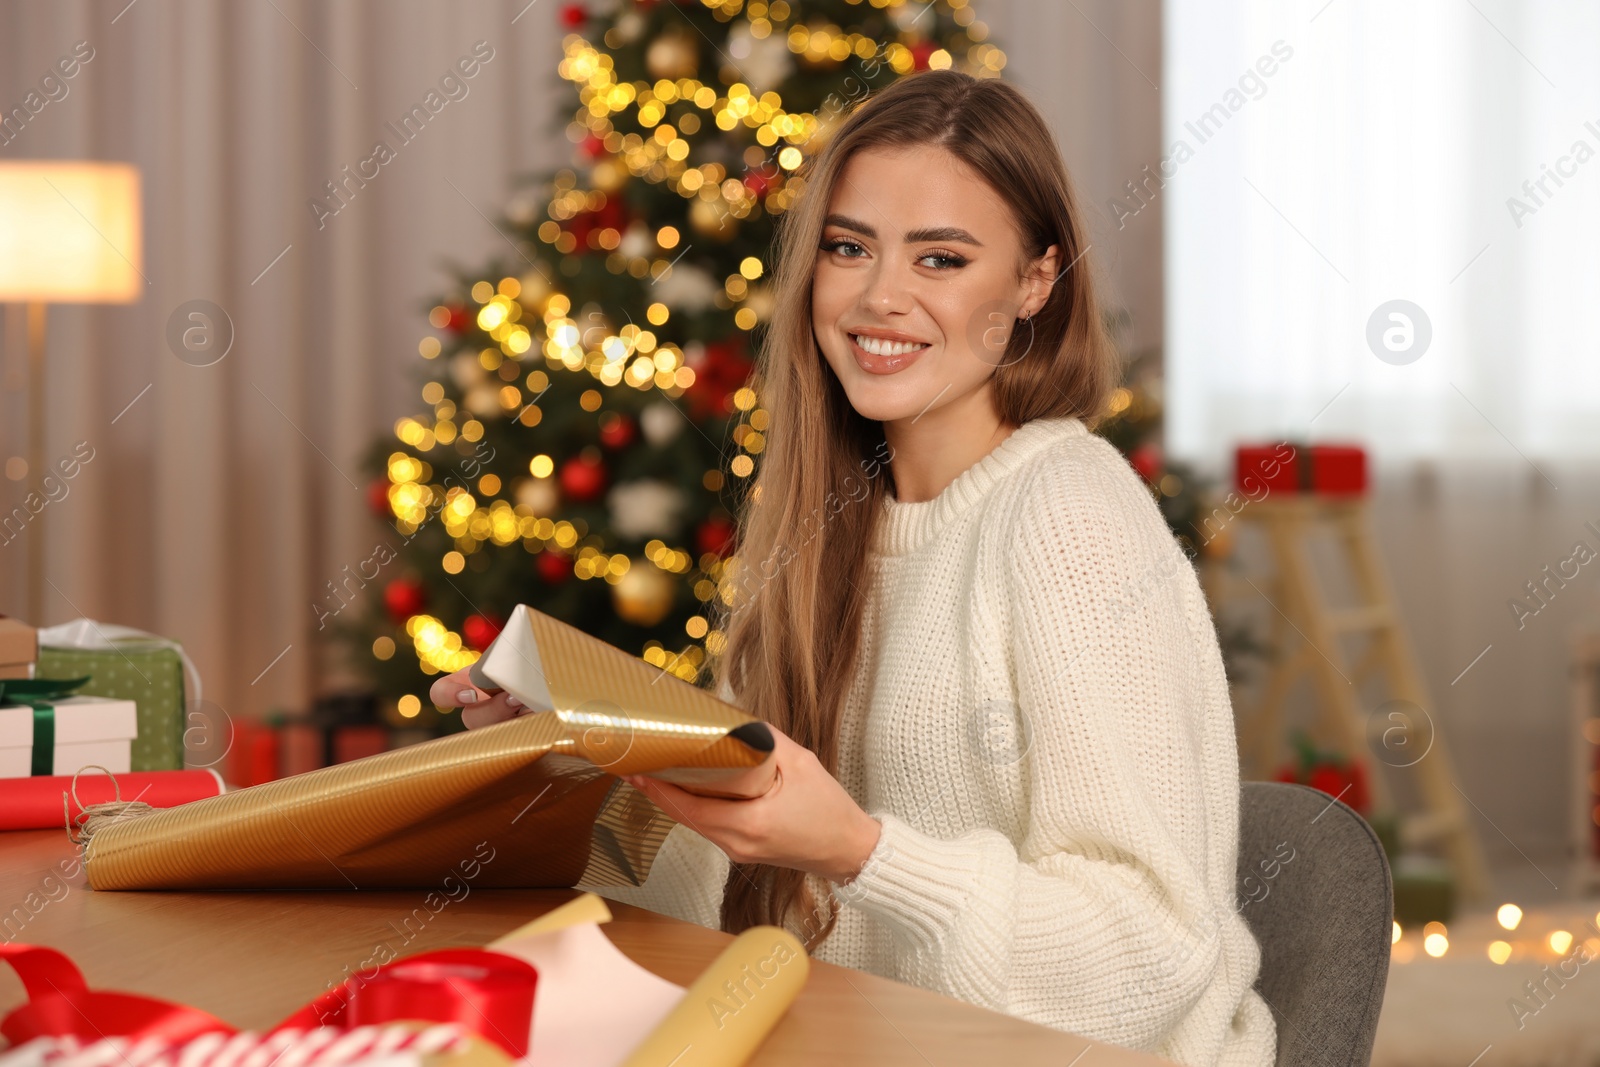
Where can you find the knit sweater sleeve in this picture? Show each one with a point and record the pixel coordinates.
(1098, 921)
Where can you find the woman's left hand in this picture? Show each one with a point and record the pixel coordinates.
(805, 821)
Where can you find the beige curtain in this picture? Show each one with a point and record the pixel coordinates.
(220, 499)
(1094, 68)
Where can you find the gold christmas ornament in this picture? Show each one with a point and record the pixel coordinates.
(643, 595)
(535, 290)
(608, 175)
(712, 219)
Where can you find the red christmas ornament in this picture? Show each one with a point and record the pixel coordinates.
(478, 630)
(920, 53)
(716, 535)
(592, 147)
(1329, 772)
(403, 598)
(573, 16)
(459, 318)
(717, 376)
(1146, 459)
(612, 215)
(757, 183)
(617, 431)
(378, 497)
(582, 478)
(553, 566)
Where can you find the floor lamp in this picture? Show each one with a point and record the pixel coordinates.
(69, 234)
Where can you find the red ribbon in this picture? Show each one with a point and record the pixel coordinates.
(486, 993)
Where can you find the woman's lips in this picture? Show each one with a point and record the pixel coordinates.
(875, 364)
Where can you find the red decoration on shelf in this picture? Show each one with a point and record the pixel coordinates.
(716, 535)
(1333, 774)
(403, 598)
(478, 630)
(554, 567)
(573, 16)
(617, 431)
(583, 478)
(378, 497)
(721, 371)
(1289, 467)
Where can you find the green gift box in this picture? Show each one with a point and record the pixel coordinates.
(144, 669)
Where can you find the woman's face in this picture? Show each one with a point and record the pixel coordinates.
(916, 289)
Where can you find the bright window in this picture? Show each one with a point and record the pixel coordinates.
(1327, 158)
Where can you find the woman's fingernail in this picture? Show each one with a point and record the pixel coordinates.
(468, 696)
(513, 702)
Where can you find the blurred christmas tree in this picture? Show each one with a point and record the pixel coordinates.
(586, 428)
(1184, 497)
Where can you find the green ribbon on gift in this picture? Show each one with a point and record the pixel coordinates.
(40, 694)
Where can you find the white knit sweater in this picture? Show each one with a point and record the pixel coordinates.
(1041, 723)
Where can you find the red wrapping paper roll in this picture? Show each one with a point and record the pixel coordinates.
(35, 803)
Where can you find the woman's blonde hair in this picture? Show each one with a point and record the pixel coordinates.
(807, 521)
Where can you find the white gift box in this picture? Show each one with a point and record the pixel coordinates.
(89, 730)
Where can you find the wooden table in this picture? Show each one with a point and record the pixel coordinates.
(252, 958)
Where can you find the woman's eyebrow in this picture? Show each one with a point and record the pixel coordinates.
(953, 234)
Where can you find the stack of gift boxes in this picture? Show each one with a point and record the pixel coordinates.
(123, 709)
(62, 710)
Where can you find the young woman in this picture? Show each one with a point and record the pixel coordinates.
(1006, 757)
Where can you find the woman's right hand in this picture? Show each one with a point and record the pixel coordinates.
(477, 707)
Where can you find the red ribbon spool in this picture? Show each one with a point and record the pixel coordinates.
(487, 993)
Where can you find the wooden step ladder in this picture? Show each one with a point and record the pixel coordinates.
(1309, 635)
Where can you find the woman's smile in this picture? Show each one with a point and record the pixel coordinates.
(883, 352)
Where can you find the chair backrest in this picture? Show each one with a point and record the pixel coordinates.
(1315, 888)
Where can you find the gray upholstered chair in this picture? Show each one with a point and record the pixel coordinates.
(1315, 888)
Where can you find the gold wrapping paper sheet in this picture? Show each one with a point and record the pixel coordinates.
(629, 717)
(732, 1006)
(520, 804)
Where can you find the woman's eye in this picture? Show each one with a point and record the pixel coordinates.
(838, 243)
(950, 260)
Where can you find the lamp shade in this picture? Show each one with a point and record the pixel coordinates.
(69, 232)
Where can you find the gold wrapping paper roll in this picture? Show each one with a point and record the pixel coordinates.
(732, 1006)
(533, 802)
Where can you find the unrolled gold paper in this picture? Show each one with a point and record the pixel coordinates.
(533, 802)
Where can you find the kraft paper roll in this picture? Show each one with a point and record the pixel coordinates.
(732, 1006)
